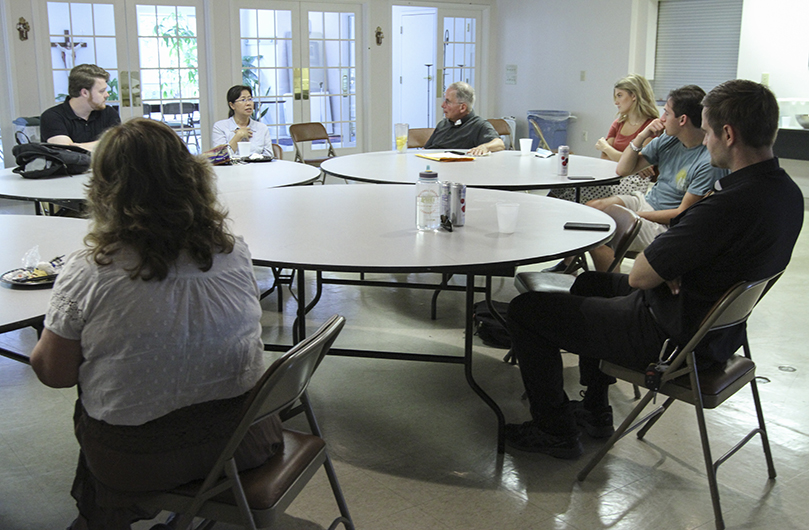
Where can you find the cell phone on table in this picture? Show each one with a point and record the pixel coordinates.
(462, 153)
(582, 177)
(601, 227)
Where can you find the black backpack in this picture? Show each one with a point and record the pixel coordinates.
(36, 161)
(488, 328)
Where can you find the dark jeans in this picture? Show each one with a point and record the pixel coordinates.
(601, 318)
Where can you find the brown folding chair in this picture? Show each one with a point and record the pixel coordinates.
(705, 388)
(255, 498)
(418, 137)
(627, 226)
(501, 126)
(310, 132)
(277, 151)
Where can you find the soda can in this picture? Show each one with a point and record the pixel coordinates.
(446, 199)
(564, 158)
(458, 200)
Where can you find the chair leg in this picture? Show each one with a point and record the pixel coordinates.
(710, 469)
(619, 433)
(765, 442)
(330, 473)
(652, 420)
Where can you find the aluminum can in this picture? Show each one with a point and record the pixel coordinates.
(458, 200)
(446, 199)
(564, 158)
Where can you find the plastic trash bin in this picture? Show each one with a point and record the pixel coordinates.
(553, 126)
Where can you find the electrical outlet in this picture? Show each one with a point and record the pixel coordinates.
(584, 136)
(765, 79)
(583, 75)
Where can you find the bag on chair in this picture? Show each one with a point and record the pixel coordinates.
(36, 161)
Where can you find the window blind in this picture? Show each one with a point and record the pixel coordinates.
(697, 43)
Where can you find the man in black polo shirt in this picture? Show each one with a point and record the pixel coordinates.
(84, 115)
(745, 229)
(461, 128)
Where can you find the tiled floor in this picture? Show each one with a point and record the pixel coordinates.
(415, 448)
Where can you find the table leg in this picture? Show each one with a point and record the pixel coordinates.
(299, 326)
(470, 378)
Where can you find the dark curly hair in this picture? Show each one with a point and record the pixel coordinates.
(149, 194)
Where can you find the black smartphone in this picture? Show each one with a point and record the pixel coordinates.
(580, 178)
(601, 227)
(462, 153)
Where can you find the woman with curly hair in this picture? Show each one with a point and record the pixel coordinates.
(157, 321)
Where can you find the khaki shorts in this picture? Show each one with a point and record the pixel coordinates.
(648, 229)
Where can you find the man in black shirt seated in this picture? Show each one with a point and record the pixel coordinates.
(84, 115)
(461, 128)
(745, 229)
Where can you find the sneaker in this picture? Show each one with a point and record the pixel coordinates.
(529, 437)
(598, 424)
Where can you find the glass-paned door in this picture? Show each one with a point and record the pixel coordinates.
(458, 37)
(168, 62)
(153, 59)
(82, 33)
(292, 86)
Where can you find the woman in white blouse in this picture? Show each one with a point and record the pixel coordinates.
(240, 126)
(158, 323)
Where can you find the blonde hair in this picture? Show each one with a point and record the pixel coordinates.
(149, 194)
(638, 86)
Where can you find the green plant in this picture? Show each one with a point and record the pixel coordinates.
(177, 37)
(250, 78)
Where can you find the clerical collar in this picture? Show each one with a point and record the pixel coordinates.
(461, 121)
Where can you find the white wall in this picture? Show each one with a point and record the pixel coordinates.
(552, 42)
(774, 41)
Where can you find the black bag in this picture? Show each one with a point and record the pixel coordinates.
(488, 328)
(36, 161)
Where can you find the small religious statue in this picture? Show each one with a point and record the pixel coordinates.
(23, 27)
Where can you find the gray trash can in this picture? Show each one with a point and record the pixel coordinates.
(550, 125)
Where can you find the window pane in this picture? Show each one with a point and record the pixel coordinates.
(106, 56)
(81, 19)
(247, 23)
(58, 18)
(332, 25)
(266, 24)
(60, 84)
(147, 21)
(104, 19)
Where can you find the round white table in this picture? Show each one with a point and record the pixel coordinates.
(372, 229)
(504, 170)
(70, 191)
(56, 236)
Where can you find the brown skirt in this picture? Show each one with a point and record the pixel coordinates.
(119, 464)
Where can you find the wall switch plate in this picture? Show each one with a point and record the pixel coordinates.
(765, 79)
(583, 75)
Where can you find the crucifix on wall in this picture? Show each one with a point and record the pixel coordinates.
(68, 46)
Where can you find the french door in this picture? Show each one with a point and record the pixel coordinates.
(300, 59)
(152, 51)
(459, 32)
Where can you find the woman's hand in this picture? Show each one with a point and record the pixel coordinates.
(602, 144)
(243, 134)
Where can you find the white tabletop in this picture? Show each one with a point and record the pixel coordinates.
(372, 229)
(506, 170)
(242, 177)
(56, 236)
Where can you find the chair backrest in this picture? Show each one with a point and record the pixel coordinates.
(733, 308)
(418, 137)
(176, 108)
(277, 151)
(627, 226)
(501, 126)
(281, 385)
(308, 132)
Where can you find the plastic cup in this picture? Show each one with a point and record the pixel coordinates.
(244, 149)
(400, 131)
(525, 146)
(507, 213)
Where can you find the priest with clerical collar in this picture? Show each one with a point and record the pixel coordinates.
(461, 128)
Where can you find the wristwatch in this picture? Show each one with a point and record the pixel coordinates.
(634, 148)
